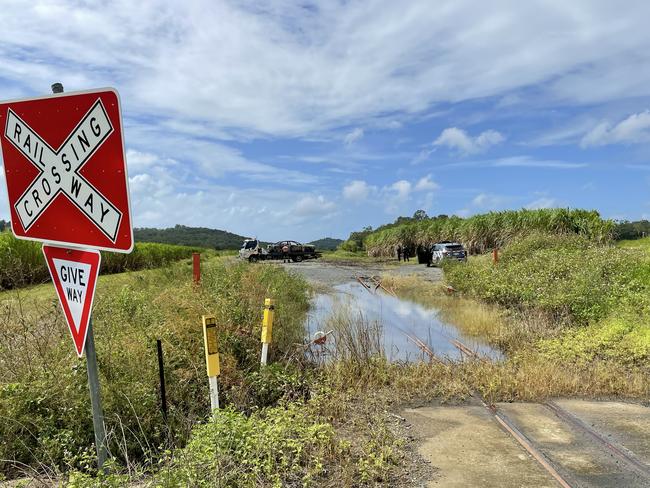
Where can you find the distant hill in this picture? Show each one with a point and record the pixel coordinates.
(190, 236)
(327, 243)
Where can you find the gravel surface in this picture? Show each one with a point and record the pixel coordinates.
(330, 274)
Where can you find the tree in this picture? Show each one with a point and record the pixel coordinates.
(420, 215)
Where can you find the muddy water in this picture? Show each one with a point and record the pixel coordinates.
(399, 318)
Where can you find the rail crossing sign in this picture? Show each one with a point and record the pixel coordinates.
(74, 273)
(65, 169)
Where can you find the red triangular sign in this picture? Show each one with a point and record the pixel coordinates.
(74, 274)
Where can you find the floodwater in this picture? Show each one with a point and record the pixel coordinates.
(399, 319)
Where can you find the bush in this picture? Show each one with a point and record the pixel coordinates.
(274, 447)
(564, 276)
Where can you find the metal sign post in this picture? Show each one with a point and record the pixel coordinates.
(95, 398)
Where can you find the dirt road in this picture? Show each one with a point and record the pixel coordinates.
(330, 274)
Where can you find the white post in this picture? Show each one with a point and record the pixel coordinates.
(214, 392)
(265, 353)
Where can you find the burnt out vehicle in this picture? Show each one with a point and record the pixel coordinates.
(252, 251)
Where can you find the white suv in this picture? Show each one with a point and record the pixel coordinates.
(447, 250)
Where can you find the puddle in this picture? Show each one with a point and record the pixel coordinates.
(397, 317)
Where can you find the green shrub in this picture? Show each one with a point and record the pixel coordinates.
(274, 447)
(565, 276)
(277, 383)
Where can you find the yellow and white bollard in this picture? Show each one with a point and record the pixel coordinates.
(267, 328)
(211, 344)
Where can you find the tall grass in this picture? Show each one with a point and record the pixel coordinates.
(44, 406)
(22, 262)
(594, 300)
(487, 231)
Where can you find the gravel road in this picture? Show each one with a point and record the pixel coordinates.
(330, 274)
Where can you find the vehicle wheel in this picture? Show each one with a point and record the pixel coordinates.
(297, 259)
(252, 259)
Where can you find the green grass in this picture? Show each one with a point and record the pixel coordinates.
(286, 424)
(563, 276)
(643, 244)
(44, 410)
(593, 301)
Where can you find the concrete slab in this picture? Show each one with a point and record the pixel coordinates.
(574, 454)
(468, 449)
(625, 425)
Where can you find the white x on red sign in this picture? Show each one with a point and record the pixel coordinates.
(59, 170)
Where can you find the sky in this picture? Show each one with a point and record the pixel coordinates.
(300, 120)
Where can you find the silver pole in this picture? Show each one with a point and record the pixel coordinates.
(95, 398)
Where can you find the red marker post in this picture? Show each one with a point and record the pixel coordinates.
(196, 267)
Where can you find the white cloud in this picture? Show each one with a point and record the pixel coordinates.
(426, 183)
(543, 202)
(489, 201)
(161, 195)
(283, 69)
(523, 161)
(634, 129)
(312, 206)
(353, 136)
(458, 140)
(530, 162)
(402, 189)
(357, 190)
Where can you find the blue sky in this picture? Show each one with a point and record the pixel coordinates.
(309, 119)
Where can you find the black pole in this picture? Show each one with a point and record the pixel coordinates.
(161, 371)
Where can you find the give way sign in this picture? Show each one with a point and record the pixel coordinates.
(74, 273)
(65, 169)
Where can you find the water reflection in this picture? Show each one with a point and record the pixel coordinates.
(398, 318)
